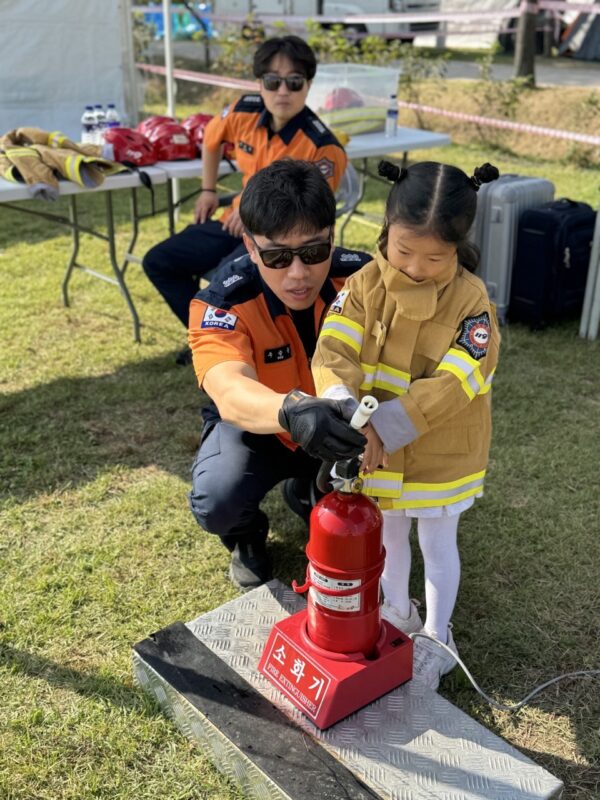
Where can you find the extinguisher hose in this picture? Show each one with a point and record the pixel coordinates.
(504, 706)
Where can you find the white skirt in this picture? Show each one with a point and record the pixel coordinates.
(438, 511)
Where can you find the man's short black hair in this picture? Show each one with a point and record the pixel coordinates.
(295, 48)
(286, 196)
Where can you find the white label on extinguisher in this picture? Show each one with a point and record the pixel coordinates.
(348, 602)
(332, 583)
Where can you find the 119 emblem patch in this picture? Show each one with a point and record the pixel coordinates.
(475, 335)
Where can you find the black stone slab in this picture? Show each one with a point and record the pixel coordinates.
(293, 760)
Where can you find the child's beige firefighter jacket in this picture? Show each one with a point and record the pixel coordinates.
(431, 346)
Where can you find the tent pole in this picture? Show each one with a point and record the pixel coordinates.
(590, 315)
(168, 28)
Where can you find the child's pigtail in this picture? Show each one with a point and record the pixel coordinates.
(486, 173)
(391, 171)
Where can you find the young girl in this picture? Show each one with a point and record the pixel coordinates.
(417, 330)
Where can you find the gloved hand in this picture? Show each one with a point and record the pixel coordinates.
(321, 426)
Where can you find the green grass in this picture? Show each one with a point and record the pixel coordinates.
(98, 548)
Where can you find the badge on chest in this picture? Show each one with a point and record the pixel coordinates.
(275, 354)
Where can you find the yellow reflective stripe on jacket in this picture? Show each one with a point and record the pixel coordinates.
(21, 152)
(381, 376)
(56, 138)
(458, 363)
(488, 382)
(382, 483)
(466, 369)
(430, 495)
(72, 165)
(344, 329)
(10, 174)
(473, 384)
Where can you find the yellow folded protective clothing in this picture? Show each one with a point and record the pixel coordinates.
(54, 139)
(87, 171)
(8, 171)
(37, 158)
(27, 164)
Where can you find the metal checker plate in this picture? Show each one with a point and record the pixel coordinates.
(410, 744)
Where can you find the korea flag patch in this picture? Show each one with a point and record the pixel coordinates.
(475, 335)
(217, 318)
(338, 304)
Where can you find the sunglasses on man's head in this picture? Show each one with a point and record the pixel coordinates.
(272, 82)
(282, 257)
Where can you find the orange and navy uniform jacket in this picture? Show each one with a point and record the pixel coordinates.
(304, 137)
(238, 318)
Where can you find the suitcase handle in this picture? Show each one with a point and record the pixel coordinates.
(567, 201)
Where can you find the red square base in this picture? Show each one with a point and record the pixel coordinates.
(329, 686)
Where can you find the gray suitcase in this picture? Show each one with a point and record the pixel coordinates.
(494, 231)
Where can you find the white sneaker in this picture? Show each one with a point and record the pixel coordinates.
(431, 661)
(410, 624)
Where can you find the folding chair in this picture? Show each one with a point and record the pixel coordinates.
(348, 196)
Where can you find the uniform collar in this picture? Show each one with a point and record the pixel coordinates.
(277, 307)
(416, 300)
(289, 130)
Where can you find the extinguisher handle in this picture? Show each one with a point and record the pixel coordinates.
(359, 419)
(324, 477)
(363, 413)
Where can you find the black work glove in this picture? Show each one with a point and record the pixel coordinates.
(321, 426)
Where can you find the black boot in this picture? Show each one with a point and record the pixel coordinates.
(250, 562)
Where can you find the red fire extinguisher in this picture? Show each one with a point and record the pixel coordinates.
(346, 556)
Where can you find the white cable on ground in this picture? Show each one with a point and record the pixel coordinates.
(487, 698)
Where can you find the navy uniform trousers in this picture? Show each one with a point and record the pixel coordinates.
(176, 265)
(232, 473)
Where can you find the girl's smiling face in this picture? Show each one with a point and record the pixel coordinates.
(421, 257)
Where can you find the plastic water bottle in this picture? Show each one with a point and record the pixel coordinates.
(112, 116)
(391, 118)
(88, 126)
(100, 123)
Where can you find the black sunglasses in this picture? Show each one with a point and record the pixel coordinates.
(272, 82)
(282, 257)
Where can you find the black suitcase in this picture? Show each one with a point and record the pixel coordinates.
(551, 262)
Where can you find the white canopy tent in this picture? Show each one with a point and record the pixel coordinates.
(58, 56)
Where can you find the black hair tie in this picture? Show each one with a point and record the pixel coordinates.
(391, 171)
(486, 173)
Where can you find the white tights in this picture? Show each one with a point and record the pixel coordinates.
(437, 540)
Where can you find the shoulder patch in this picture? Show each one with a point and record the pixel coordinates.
(475, 335)
(249, 102)
(326, 167)
(225, 111)
(218, 318)
(346, 262)
(233, 283)
(338, 304)
(231, 280)
(316, 130)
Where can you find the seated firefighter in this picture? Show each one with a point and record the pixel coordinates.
(253, 332)
(264, 127)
